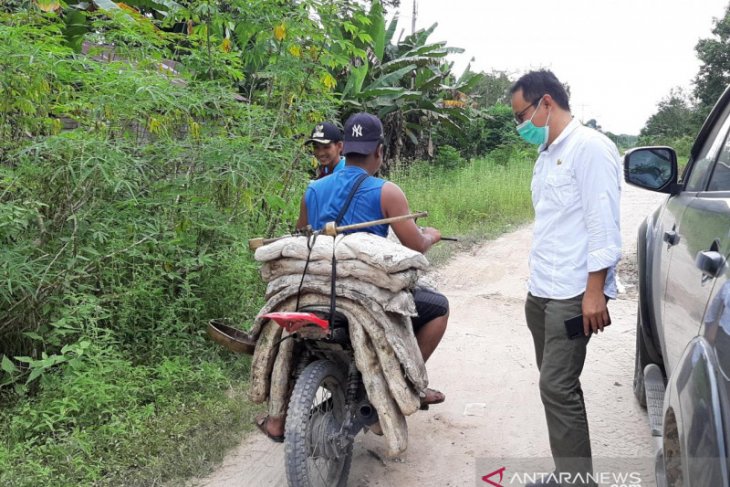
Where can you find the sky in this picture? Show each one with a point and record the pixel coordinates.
(619, 57)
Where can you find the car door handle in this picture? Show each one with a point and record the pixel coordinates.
(671, 237)
(711, 263)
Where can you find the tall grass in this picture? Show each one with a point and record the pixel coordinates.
(479, 199)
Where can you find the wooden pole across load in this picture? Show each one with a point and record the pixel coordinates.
(331, 229)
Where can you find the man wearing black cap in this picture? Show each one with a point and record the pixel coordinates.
(374, 199)
(326, 140)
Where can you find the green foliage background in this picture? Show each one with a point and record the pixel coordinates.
(139, 151)
(680, 114)
(126, 199)
(141, 146)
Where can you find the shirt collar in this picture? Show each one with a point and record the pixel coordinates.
(350, 168)
(570, 128)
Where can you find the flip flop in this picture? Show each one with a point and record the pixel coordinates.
(261, 422)
(437, 397)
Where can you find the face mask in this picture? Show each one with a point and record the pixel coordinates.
(532, 134)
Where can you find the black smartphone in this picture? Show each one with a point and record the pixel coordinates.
(574, 326)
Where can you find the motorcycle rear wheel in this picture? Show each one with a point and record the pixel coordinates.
(316, 413)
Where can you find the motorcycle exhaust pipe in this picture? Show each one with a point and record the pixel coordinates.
(366, 413)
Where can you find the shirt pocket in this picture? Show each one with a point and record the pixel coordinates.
(559, 188)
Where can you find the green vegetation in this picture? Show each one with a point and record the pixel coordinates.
(122, 235)
(482, 198)
(680, 115)
(109, 421)
(473, 200)
(140, 148)
(141, 145)
(714, 73)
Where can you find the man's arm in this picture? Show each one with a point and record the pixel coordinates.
(394, 203)
(596, 172)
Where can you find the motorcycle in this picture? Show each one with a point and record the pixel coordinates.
(328, 405)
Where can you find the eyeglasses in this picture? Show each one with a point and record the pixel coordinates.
(519, 116)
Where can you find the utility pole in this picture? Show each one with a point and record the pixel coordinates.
(583, 110)
(413, 19)
(413, 31)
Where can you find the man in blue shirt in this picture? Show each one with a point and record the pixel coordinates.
(373, 200)
(326, 140)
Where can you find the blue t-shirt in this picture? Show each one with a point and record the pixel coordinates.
(326, 197)
(324, 170)
(338, 167)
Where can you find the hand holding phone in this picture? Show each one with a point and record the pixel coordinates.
(574, 326)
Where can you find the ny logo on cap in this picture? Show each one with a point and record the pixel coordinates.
(357, 130)
(318, 131)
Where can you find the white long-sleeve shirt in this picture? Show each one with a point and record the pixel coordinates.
(576, 188)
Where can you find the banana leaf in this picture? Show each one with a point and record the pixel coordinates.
(426, 81)
(400, 62)
(390, 31)
(377, 29)
(76, 27)
(107, 5)
(355, 80)
(391, 79)
(395, 91)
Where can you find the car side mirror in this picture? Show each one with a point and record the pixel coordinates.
(652, 168)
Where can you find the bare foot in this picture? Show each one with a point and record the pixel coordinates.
(271, 426)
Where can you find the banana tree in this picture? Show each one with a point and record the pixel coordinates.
(408, 84)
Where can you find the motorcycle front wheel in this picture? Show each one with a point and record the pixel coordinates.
(317, 453)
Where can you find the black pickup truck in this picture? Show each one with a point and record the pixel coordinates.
(682, 371)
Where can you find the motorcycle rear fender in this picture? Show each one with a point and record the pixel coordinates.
(295, 321)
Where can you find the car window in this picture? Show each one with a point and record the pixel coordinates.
(720, 178)
(700, 170)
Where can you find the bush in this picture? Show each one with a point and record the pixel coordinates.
(447, 157)
(501, 155)
(126, 201)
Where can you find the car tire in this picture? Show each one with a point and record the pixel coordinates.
(641, 360)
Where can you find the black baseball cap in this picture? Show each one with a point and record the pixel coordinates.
(363, 133)
(325, 133)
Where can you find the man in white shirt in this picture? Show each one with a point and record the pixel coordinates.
(576, 246)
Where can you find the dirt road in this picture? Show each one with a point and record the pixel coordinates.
(486, 367)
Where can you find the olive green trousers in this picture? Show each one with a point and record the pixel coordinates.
(560, 362)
